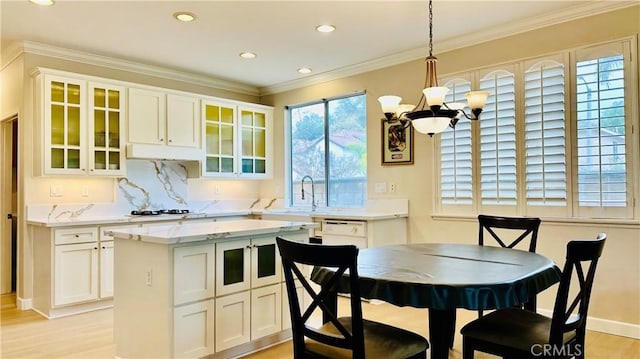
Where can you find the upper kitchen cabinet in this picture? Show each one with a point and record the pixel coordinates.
(80, 125)
(237, 139)
(157, 117)
(106, 124)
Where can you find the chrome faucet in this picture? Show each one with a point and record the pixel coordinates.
(313, 192)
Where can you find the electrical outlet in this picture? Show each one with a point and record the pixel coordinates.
(381, 187)
(149, 279)
(85, 191)
(392, 188)
(217, 189)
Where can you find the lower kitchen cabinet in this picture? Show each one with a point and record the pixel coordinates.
(266, 311)
(193, 330)
(233, 320)
(73, 273)
(76, 273)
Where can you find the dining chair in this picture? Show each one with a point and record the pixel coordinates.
(518, 333)
(340, 337)
(518, 229)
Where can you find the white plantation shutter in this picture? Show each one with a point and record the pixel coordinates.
(545, 154)
(601, 133)
(456, 180)
(498, 140)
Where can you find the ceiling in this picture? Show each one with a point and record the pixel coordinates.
(370, 34)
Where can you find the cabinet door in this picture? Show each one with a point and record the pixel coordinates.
(76, 273)
(106, 129)
(147, 116)
(266, 311)
(233, 266)
(183, 121)
(266, 264)
(193, 330)
(220, 138)
(193, 273)
(233, 320)
(64, 102)
(255, 142)
(106, 269)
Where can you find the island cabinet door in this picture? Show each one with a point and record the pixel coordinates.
(233, 266)
(193, 269)
(266, 264)
(193, 330)
(233, 320)
(266, 311)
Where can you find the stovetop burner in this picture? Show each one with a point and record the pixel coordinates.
(158, 212)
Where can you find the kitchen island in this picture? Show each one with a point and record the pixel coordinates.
(200, 289)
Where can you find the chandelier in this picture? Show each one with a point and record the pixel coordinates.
(432, 115)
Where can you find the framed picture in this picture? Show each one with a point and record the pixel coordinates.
(397, 143)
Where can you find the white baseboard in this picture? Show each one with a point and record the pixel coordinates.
(24, 304)
(607, 326)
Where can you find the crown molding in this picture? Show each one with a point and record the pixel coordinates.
(572, 13)
(125, 65)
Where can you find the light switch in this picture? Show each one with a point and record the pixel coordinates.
(381, 187)
(55, 190)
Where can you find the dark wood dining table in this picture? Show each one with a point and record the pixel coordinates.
(444, 277)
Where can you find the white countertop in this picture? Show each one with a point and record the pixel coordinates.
(127, 219)
(190, 232)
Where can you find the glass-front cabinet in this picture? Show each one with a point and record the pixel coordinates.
(220, 143)
(82, 124)
(254, 141)
(106, 121)
(64, 106)
(237, 139)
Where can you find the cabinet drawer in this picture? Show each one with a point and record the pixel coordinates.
(76, 235)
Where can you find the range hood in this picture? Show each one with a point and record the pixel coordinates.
(191, 158)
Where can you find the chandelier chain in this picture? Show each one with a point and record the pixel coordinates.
(430, 28)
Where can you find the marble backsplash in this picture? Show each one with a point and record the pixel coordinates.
(149, 185)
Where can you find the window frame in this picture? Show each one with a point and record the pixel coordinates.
(323, 201)
(571, 210)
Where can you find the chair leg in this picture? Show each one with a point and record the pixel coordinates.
(467, 350)
(531, 304)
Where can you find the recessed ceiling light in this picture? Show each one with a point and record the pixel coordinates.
(184, 16)
(43, 2)
(325, 28)
(248, 55)
(304, 70)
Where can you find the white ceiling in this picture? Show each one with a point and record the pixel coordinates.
(370, 34)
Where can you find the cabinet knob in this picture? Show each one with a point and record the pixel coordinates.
(95, 248)
(76, 235)
(170, 140)
(162, 140)
(248, 247)
(103, 247)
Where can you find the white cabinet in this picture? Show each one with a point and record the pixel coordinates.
(266, 310)
(160, 118)
(237, 139)
(193, 330)
(193, 273)
(245, 264)
(233, 320)
(106, 269)
(81, 123)
(76, 273)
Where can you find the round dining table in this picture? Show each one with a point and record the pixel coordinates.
(444, 277)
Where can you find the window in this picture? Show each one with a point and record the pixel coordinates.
(328, 142)
(555, 138)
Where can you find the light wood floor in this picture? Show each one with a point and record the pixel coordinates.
(25, 334)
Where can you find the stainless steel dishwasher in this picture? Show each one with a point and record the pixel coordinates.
(344, 232)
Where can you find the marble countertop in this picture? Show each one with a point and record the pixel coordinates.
(128, 219)
(344, 214)
(191, 232)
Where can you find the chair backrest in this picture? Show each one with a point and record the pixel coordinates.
(572, 315)
(526, 226)
(343, 258)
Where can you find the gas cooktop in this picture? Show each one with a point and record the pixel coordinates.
(159, 212)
